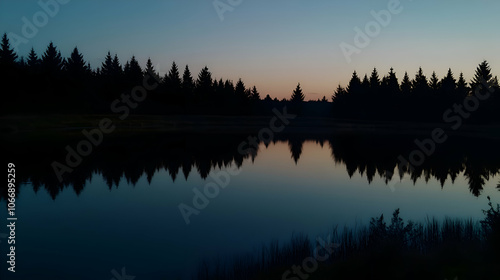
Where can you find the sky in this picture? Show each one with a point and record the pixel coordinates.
(270, 44)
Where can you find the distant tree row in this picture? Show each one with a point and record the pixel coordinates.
(419, 98)
(50, 83)
(58, 84)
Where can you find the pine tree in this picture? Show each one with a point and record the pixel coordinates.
(365, 85)
(33, 60)
(134, 74)
(7, 55)
(52, 61)
(75, 65)
(255, 94)
(354, 86)
(448, 84)
(172, 80)
(420, 84)
(107, 66)
(240, 90)
(204, 82)
(406, 85)
(187, 80)
(297, 96)
(434, 84)
(374, 81)
(462, 88)
(116, 67)
(482, 76)
(150, 71)
(392, 82)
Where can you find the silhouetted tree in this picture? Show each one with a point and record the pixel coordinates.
(297, 95)
(76, 65)
(204, 83)
(241, 91)
(420, 84)
(482, 75)
(392, 83)
(187, 85)
(406, 85)
(33, 60)
(354, 86)
(434, 83)
(448, 84)
(7, 54)
(133, 74)
(374, 82)
(52, 61)
(462, 88)
(255, 94)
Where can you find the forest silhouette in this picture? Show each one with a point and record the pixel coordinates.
(50, 83)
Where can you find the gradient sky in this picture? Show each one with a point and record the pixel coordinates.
(271, 44)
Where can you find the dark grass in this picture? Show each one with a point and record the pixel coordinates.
(431, 249)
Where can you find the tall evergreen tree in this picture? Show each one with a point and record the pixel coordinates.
(204, 83)
(365, 85)
(448, 84)
(7, 55)
(255, 94)
(339, 93)
(482, 76)
(172, 80)
(240, 90)
(420, 84)
(107, 66)
(434, 83)
(354, 86)
(117, 67)
(406, 85)
(33, 60)
(52, 61)
(297, 95)
(75, 65)
(134, 74)
(150, 71)
(374, 80)
(187, 84)
(392, 82)
(462, 87)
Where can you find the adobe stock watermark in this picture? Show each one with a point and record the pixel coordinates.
(373, 28)
(93, 138)
(31, 27)
(224, 6)
(310, 264)
(454, 117)
(222, 178)
(122, 276)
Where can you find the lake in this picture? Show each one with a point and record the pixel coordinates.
(121, 207)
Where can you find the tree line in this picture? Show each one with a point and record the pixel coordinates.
(420, 98)
(51, 83)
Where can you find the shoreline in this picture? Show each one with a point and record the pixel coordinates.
(235, 124)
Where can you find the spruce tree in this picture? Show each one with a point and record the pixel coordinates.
(52, 61)
(7, 55)
(297, 95)
(406, 85)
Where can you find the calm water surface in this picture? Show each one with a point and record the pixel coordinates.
(134, 221)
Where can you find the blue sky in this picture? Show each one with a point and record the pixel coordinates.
(270, 44)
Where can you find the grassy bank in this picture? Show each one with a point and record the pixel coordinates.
(431, 249)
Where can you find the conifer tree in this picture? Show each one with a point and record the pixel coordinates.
(297, 95)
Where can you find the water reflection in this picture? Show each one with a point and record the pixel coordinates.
(134, 155)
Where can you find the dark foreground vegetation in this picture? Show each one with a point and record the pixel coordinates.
(452, 249)
(49, 83)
